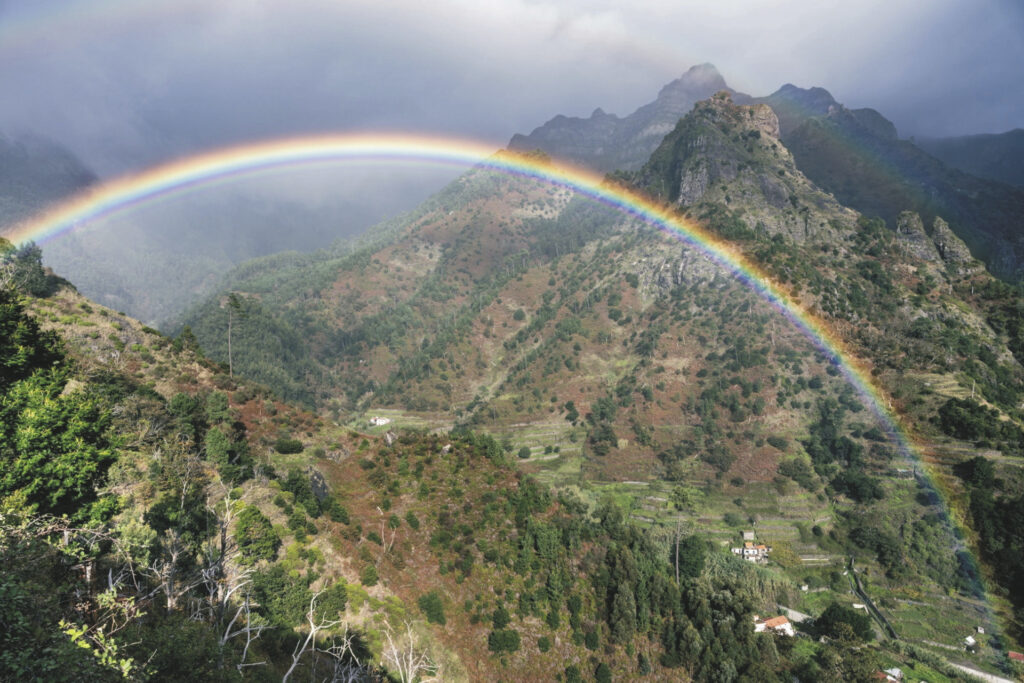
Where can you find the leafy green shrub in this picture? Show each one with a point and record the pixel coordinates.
(432, 607)
(412, 520)
(503, 640)
(369, 577)
(255, 536)
(500, 618)
(286, 446)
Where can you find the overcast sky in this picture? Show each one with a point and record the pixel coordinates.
(127, 83)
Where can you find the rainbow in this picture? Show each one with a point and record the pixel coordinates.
(230, 163)
(227, 164)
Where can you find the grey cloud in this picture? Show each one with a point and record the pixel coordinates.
(194, 75)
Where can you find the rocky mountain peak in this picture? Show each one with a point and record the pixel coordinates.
(726, 162)
(698, 79)
(606, 142)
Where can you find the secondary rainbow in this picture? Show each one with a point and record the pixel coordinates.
(231, 163)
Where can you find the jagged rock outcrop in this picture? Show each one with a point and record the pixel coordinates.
(910, 233)
(857, 155)
(726, 162)
(951, 248)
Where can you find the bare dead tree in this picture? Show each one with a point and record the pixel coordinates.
(241, 624)
(218, 554)
(404, 656)
(317, 624)
(166, 572)
(6, 273)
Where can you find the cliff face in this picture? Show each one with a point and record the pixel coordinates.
(857, 155)
(726, 162)
(854, 154)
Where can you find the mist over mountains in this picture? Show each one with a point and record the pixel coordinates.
(516, 433)
(177, 254)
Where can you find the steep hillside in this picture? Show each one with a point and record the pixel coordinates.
(616, 361)
(633, 406)
(994, 156)
(209, 533)
(856, 155)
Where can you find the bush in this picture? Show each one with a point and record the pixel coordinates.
(503, 640)
(524, 452)
(838, 621)
(412, 520)
(500, 618)
(368, 577)
(338, 513)
(255, 536)
(286, 446)
(432, 607)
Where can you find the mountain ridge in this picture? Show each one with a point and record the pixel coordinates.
(856, 155)
(643, 406)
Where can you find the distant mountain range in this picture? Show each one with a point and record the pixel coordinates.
(35, 172)
(606, 142)
(154, 264)
(855, 154)
(995, 157)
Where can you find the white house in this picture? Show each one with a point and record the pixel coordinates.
(380, 421)
(780, 625)
(753, 552)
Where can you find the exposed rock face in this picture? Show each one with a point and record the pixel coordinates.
(951, 248)
(910, 233)
(857, 155)
(726, 162)
(606, 142)
(793, 105)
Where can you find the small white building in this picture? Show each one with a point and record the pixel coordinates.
(969, 641)
(894, 674)
(780, 625)
(753, 552)
(380, 421)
